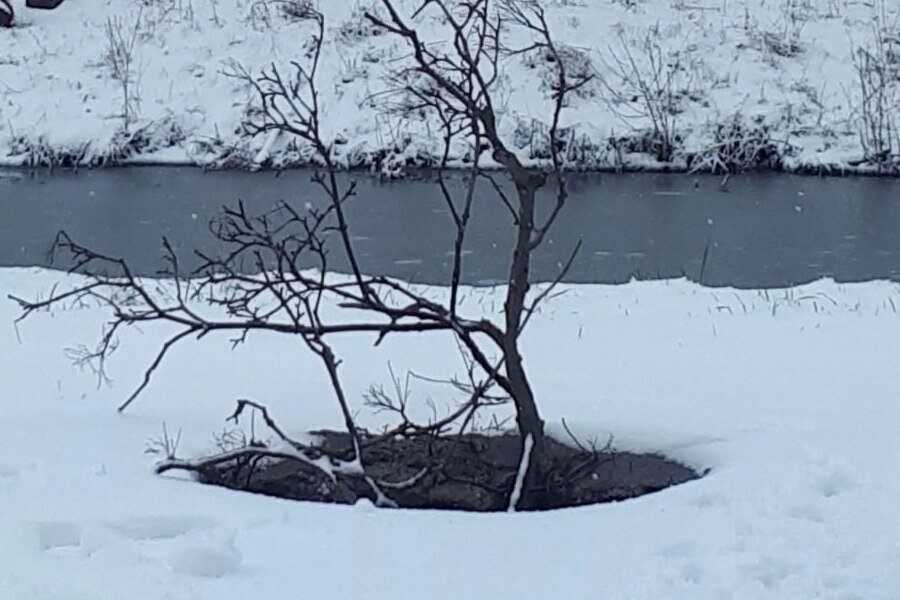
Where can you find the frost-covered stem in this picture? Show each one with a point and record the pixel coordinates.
(406, 483)
(322, 464)
(527, 446)
(381, 499)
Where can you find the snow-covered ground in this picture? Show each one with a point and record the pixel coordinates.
(790, 397)
(778, 75)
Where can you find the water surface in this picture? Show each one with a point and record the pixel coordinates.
(763, 231)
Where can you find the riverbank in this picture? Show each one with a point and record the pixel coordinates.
(771, 85)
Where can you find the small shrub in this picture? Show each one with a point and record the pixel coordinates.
(653, 85)
(120, 60)
(577, 63)
(357, 28)
(875, 98)
(741, 145)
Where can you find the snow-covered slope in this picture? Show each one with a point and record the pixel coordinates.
(777, 77)
(789, 396)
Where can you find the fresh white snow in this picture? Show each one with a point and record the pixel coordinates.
(790, 397)
(783, 69)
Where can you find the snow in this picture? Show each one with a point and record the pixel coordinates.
(783, 69)
(520, 475)
(789, 397)
(206, 558)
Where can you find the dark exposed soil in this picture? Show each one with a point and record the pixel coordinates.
(472, 472)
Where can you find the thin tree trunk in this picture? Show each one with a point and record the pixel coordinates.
(528, 417)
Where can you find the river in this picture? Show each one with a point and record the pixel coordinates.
(760, 231)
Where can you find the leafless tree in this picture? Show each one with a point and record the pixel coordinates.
(651, 85)
(455, 84)
(120, 44)
(876, 99)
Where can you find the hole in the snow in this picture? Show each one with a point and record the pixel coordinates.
(472, 472)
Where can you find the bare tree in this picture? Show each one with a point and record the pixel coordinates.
(458, 84)
(877, 99)
(651, 86)
(455, 84)
(120, 44)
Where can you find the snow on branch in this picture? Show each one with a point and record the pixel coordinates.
(516, 494)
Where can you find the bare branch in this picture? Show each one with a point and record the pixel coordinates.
(148, 373)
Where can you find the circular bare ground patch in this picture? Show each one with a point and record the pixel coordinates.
(472, 472)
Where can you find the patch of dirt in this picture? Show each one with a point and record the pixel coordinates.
(472, 472)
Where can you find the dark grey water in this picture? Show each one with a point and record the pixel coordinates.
(765, 231)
